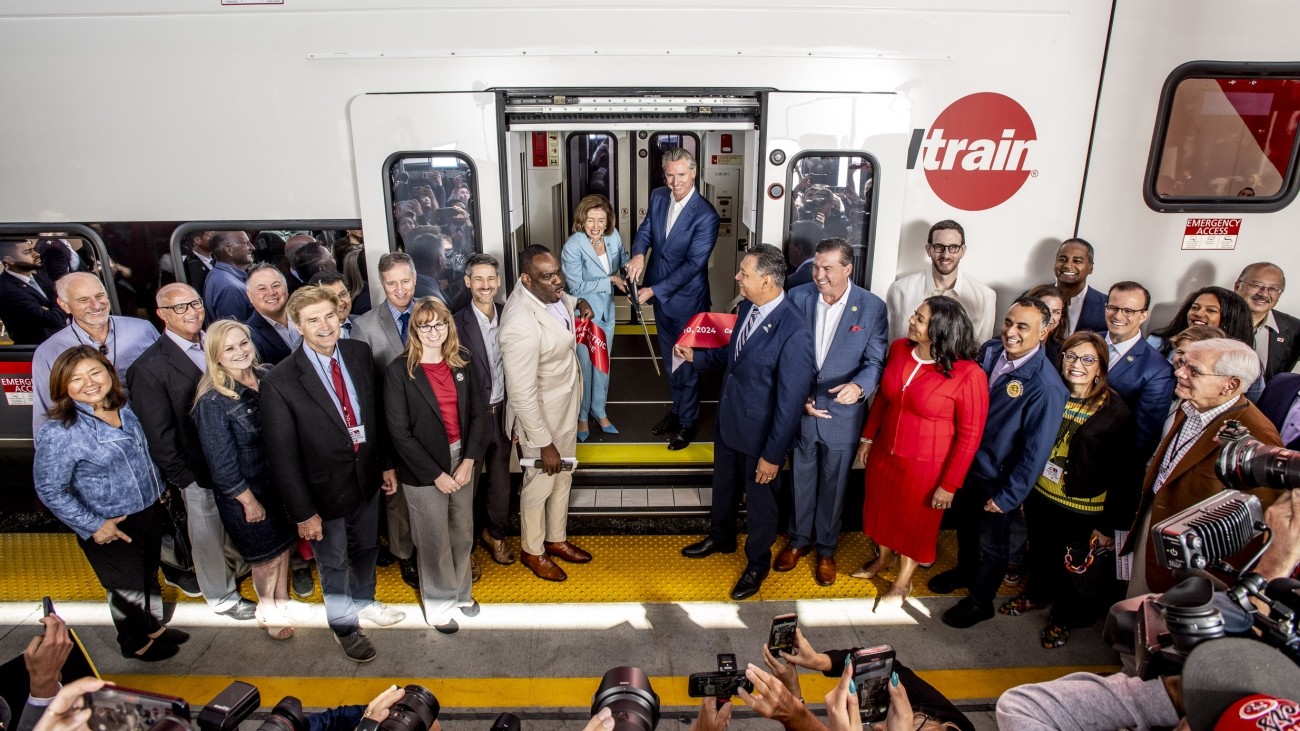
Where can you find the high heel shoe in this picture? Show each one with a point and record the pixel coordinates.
(275, 623)
(608, 428)
(582, 435)
(893, 599)
(871, 570)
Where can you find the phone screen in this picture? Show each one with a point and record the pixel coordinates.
(871, 671)
(781, 638)
(121, 709)
(47, 606)
(716, 685)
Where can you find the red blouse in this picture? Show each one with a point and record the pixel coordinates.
(444, 388)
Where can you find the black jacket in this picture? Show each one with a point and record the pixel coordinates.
(471, 338)
(1091, 467)
(29, 317)
(1284, 349)
(161, 385)
(416, 428)
(313, 464)
(271, 348)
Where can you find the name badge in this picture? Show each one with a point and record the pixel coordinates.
(1053, 472)
(357, 433)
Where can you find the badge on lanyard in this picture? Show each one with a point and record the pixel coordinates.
(1053, 472)
(1015, 389)
(357, 433)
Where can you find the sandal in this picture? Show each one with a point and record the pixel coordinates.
(276, 625)
(868, 572)
(1018, 606)
(1054, 636)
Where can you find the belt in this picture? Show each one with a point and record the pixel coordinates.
(494, 408)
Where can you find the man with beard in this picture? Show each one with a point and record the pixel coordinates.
(27, 305)
(945, 245)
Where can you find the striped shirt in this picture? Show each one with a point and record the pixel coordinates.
(1190, 433)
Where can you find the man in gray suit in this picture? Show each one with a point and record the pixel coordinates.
(850, 337)
(385, 329)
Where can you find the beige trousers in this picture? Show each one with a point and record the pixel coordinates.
(544, 499)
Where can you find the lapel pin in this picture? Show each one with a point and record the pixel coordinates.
(1281, 339)
(767, 328)
(460, 376)
(1129, 359)
(854, 308)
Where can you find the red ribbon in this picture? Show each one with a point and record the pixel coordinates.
(708, 330)
(590, 335)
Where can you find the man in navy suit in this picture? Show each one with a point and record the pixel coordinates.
(273, 335)
(1085, 305)
(28, 306)
(1137, 372)
(767, 372)
(682, 228)
(1280, 405)
(850, 336)
(1026, 402)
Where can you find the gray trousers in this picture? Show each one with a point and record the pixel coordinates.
(217, 563)
(442, 527)
(399, 525)
(820, 475)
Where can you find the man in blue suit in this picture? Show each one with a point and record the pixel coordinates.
(1280, 405)
(273, 335)
(767, 372)
(850, 336)
(1026, 403)
(1137, 372)
(1085, 305)
(682, 228)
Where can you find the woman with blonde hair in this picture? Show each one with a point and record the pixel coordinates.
(438, 423)
(229, 420)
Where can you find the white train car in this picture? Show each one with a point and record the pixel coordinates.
(1131, 124)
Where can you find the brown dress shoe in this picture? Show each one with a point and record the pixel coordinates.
(498, 549)
(825, 572)
(475, 571)
(543, 567)
(789, 557)
(568, 552)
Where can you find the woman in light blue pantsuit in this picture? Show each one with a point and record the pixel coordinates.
(591, 259)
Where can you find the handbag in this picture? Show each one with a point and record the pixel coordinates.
(175, 534)
(1091, 567)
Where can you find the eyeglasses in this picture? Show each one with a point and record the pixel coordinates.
(184, 307)
(946, 249)
(1128, 311)
(429, 327)
(919, 719)
(1197, 373)
(1265, 287)
(1071, 357)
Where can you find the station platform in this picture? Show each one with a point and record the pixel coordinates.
(540, 648)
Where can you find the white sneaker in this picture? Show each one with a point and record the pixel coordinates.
(381, 614)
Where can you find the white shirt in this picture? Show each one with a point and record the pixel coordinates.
(288, 333)
(1264, 335)
(675, 208)
(828, 320)
(1075, 308)
(490, 329)
(193, 351)
(1119, 350)
(907, 294)
(763, 312)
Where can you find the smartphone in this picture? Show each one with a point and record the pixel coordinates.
(47, 606)
(781, 638)
(122, 709)
(872, 668)
(714, 685)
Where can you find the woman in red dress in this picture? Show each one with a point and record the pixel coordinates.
(920, 438)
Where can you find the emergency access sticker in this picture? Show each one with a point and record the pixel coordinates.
(18, 390)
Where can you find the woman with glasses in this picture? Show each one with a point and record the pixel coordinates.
(1057, 329)
(1082, 496)
(920, 438)
(438, 425)
(591, 260)
(228, 415)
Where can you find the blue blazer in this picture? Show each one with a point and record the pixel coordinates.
(584, 276)
(801, 275)
(1093, 316)
(764, 390)
(1025, 411)
(1276, 402)
(1146, 381)
(679, 269)
(857, 354)
(271, 348)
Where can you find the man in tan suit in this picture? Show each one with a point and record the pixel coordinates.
(543, 390)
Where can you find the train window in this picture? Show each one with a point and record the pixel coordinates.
(590, 165)
(434, 202)
(1225, 141)
(37, 259)
(830, 196)
(661, 142)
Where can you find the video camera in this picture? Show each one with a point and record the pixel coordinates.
(1203, 536)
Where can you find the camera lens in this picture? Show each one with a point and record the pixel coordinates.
(626, 692)
(1247, 463)
(286, 716)
(416, 711)
(1190, 613)
(506, 722)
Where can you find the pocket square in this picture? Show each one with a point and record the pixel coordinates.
(855, 328)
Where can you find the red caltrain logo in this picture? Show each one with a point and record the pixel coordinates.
(976, 155)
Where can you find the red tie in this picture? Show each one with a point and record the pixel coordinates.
(341, 390)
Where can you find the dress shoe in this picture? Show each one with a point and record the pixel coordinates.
(967, 613)
(184, 581)
(667, 425)
(789, 557)
(243, 610)
(567, 551)
(948, 582)
(472, 610)
(825, 571)
(380, 614)
(707, 547)
(356, 646)
(543, 567)
(498, 549)
(410, 572)
(157, 650)
(748, 584)
(171, 636)
(583, 435)
(303, 585)
(682, 439)
(447, 628)
(609, 429)
(385, 557)
(475, 571)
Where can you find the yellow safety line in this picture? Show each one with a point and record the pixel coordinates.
(644, 454)
(634, 329)
(319, 692)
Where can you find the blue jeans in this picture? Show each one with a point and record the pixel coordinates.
(345, 560)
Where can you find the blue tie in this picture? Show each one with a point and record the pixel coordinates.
(750, 323)
(402, 321)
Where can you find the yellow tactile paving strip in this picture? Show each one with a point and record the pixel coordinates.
(654, 455)
(625, 569)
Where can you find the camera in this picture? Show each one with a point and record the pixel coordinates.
(723, 684)
(626, 692)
